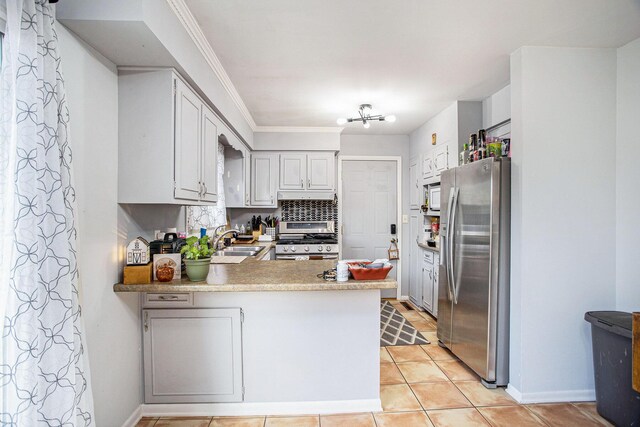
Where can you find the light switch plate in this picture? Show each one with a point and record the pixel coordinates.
(405, 219)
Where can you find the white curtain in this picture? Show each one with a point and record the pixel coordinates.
(43, 369)
(210, 216)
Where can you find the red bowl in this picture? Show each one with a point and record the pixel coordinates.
(360, 273)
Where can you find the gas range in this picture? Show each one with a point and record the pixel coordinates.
(314, 239)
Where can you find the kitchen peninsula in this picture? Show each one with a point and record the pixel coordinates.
(261, 337)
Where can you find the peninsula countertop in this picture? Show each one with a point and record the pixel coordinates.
(253, 275)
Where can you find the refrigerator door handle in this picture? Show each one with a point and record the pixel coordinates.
(443, 261)
(452, 225)
(447, 249)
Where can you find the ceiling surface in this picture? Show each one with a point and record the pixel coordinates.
(306, 63)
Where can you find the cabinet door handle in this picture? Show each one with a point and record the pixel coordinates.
(271, 199)
(146, 321)
(204, 188)
(301, 183)
(168, 297)
(308, 183)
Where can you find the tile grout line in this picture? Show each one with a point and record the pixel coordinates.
(536, 416)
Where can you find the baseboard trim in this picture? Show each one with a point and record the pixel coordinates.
(260, 408)
(552, 396)
(133, 418)
(403, 298)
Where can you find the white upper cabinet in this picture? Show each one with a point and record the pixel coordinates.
(321, 170)
(451, 129)
(167, 140)
(301, 171)
(264, 174)
(188, 143)
(441, 159)
(293, 171)
(427, 166)
(414, 185)
(209, 155)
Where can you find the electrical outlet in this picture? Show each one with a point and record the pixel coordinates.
(405, 219)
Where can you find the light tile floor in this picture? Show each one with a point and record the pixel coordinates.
(422, 386)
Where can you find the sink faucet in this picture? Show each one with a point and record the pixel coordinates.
(218, 228)
(217, 239)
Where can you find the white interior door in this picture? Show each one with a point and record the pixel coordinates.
(369, 207)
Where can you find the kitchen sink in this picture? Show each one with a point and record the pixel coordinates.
(235, 253)
(243, 249)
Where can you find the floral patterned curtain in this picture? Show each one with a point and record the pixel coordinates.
(44, 377)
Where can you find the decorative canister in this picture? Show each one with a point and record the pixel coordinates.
(342, 272)
(165, 273)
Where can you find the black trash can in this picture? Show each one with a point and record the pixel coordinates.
(616, 399)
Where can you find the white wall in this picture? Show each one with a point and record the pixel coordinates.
(444, 124)
(111, 320)
(563, 104)
(387, 145)
(282, 141)
(497, 107)
(627, 179)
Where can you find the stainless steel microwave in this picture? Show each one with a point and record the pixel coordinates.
(434, 197)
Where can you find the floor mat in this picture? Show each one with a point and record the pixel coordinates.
(395, 329)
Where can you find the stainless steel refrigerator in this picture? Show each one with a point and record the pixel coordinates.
(473, 294)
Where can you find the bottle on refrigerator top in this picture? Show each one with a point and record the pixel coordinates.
(464, 155)
(473, 147)
(482, 144)
(506, 147)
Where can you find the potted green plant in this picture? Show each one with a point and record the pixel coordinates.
(197, 257)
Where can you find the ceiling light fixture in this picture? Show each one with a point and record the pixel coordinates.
(365, 117)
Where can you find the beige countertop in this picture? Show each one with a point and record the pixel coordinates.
(429, 248)
(255, 275)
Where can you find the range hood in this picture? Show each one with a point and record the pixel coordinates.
(306, 195)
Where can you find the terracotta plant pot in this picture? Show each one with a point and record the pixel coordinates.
(197, 269)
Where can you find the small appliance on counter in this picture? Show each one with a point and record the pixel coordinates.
(170, 244)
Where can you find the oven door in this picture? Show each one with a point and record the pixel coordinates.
(308, 256)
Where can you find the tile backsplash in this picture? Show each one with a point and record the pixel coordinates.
(310, 210)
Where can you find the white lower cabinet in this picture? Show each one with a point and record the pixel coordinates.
(427, 281)
(415, 264)
(436, 273)
(192, 355)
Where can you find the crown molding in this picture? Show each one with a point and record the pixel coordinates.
(298, 129)
(190, 24)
